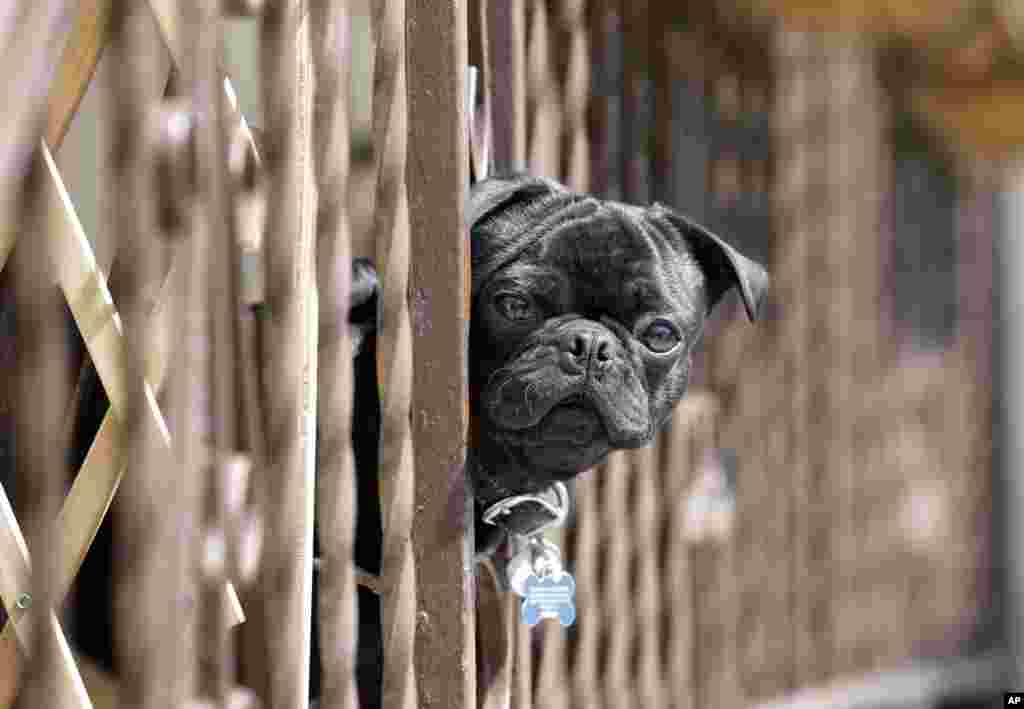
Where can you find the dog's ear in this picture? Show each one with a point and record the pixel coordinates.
(723, 266)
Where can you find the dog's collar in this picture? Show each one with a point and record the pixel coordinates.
(530, 513)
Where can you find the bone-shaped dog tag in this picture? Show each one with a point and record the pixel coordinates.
(535, 572)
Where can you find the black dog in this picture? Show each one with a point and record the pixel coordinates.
(585, 315)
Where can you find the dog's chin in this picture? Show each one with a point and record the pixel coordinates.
(569, 439)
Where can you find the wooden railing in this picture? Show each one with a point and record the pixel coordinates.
(217, 476)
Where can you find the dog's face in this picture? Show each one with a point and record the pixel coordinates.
(585, 315)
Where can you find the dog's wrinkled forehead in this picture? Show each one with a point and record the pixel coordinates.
(604, 242)
(616, 256)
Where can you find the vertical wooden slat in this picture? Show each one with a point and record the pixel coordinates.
(584, 555)
(290, 337)
(746, 369)
(616, 675)
(522, 658)
(189, 376)
(506, 77)
(575, 94)
(145, 586)
(202, 67)
(837, 223)
(664, 78)
(636, 97)
(818, 275)
(567, 38)
(691, 427)
(437, 181)
(543, 100)
(646, 516)
(394, 365)
(600, 18)
(854, 209)
(336, 482)
(793, 124)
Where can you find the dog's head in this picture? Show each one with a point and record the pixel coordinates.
(585, 315)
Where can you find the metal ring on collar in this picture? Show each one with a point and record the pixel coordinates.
(559, 511)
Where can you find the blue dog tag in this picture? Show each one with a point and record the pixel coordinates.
(549, 596)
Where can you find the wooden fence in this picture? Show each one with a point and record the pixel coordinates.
(805, 517)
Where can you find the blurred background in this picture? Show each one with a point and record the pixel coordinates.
(832, 518)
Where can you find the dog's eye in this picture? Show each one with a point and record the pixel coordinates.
(514, 307)
(661, 336)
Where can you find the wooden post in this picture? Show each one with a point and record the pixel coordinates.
(506, 82)
(290, 357)
(336, 499)
(394, 353)
(497, 618)
(437, 175)
(146, 584)
(796, 121)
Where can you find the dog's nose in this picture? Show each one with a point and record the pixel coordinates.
(580, 347)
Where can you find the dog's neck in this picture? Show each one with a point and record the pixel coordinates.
(501, 511)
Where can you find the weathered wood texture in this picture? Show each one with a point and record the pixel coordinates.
(395, 356)
(336, 508)
(146, 586)
(503, 39)
(855, 536)
(437, 177)
(506, 81)
(290, 354)
(223, 477)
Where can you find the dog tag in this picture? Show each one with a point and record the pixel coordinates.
(535, 572)
(551, 596)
